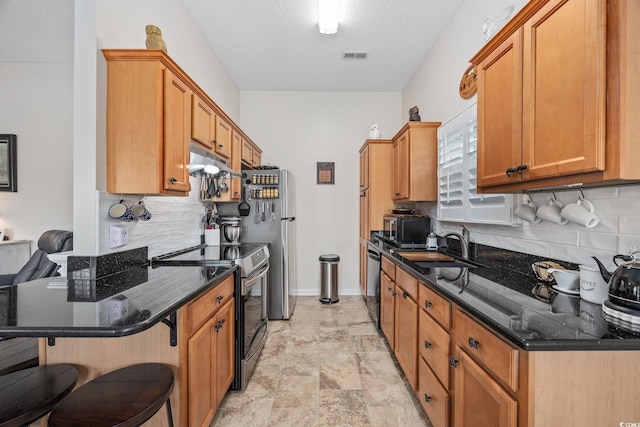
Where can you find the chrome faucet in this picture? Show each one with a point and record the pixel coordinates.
(464, 241)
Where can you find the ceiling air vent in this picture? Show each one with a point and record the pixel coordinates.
(355, 55)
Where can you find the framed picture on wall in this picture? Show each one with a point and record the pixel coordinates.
(8, 163)
(326, 172)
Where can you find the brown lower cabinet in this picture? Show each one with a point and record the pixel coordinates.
(203, 360)
(467, 375)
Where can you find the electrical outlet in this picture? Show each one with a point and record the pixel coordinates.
(118, 308)
(628, 244)
(118, 236)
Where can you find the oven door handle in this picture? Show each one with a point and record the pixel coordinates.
(249, 282)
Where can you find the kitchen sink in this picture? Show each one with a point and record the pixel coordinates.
(443, 264)
(430, 259)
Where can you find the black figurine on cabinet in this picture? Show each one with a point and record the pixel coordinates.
(413, 114)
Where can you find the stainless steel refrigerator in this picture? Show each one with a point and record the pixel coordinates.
(273, 220)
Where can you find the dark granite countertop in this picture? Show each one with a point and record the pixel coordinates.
(499, 291)
(55, 307)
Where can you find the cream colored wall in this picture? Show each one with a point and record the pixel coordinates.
(37, 106)
(298, 129)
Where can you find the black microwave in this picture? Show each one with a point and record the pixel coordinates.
(408, 229)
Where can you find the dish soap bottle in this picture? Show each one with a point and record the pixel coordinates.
(432, 242)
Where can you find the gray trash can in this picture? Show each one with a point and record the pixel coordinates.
(329, 278)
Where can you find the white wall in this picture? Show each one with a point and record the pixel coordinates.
(37, 106)
(434, 88)
(298, 129)
(120, 24)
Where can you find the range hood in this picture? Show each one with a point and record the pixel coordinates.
(202, 161)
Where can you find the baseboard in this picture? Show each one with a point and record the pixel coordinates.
(316, 292)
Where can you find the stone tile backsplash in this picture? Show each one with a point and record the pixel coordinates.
(176, 222)
(617, 207)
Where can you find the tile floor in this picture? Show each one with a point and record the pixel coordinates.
(326, 366)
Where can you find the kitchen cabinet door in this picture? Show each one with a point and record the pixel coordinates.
(202, 375)
(177, 132)
(479, 400)
(406, 334)
(387, 308)
(401, 170)
(203, 122)
(564, 89)
(364, 168)
(433, 396)
(224, 138)
(500, 113)
(224, 350)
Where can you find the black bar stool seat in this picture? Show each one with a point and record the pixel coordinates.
(126, 397)
(29, 394)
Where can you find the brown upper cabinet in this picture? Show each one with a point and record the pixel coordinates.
(251, 154)
(415, 162)
(203, 122)
(556, 97)
(154, 111)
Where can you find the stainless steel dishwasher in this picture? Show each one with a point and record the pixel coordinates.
(372, 296)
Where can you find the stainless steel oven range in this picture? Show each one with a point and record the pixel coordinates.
(251, 292)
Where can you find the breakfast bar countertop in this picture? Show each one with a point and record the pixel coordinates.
(500, 290)
(54, 307)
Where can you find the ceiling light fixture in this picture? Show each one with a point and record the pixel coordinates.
(328, 11)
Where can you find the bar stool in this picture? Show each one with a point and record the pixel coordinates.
(29, 394)
(126, 397)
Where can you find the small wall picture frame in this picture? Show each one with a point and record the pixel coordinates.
(8, 163)
(326, 172)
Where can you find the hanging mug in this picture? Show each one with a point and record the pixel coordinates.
(582, 212)
(121, 211)
(141, 212)
(528, 212)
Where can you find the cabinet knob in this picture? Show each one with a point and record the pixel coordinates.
(389, 289)
(473, 343)
(427, 304)
(510, 171)
(427, 398)
(404, 295)
(521, 168)
(219, 298)
(220, 145)
(219, 325)
(172, 180)
(427, 344)
(393, 293)
(453, 362)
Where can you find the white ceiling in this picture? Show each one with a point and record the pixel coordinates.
(266, 45)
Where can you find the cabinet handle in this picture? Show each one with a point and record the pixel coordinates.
(219, 298)
(427, 344)
(473, 343)
(397, 194)
(453, 362)
(427, 304)
(427, 398)
(521, 168)
(172, 180)
(219, 325)
(404, 295)
(393, 294)
(389, 289)
(220, 145)
(510, 171)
